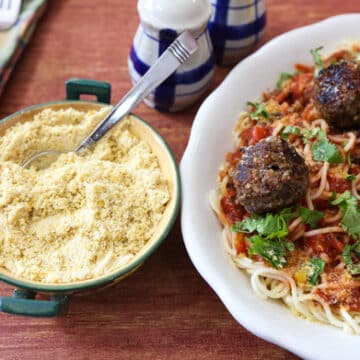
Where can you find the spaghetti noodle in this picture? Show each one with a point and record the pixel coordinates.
(329, 292)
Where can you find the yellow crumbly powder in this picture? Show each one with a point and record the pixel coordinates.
(84, 215)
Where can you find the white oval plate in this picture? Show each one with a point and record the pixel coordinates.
(210, 139)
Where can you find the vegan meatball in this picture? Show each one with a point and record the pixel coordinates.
(337, 94)
(270, 175)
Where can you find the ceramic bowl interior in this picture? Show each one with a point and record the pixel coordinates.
(169, 169)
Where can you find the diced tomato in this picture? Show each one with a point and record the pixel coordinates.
(259, 133)
(246, 135)
(307, 111)
(304, 68)
(325, 243)
(232, 212)
(338, 184)
(337, 56)
(300, 83)
(233, 157)
(253, 135)
(240, 243)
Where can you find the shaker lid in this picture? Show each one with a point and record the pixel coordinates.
(175, 14)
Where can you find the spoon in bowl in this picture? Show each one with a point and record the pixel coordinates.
(175, 55)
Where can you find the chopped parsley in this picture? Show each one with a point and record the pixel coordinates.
(312, 133)
(348, 205)
(290, 130)
(269, 242)
(271, 226)
(324, 150)
(311, 217)
(317, 59)
(288, 214)
(271, 250)
(350, 177)
(313, 268)
(260, 111)
(348, 259)
(282, 78)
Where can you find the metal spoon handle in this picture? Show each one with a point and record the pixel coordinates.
(176, 54)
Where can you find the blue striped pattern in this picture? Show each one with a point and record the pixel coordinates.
(216, 32)
(226, 4)
(193, 81)
(221, 31)
(165, 93)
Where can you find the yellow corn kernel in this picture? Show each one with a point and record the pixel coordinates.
(300, 276)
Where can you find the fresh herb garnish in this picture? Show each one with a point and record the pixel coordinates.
(290, 246)
(288, 214)
(324, 150)
(332, 197)
(350, 213)
(317, 59)
(282, 78)
(271, 250)
(350, 177)
(346, 254)
(260, 111)
(311, 217)
(313, 268)
(271, 226)
(312, 133)
(290, 130)
(269, 242)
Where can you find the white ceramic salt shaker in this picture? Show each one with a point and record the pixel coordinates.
(161, 22)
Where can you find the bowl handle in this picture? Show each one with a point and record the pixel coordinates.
(23, 303)
(77, 87)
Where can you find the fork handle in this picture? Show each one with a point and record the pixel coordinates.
(163, 67)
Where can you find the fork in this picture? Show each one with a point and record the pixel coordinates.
(9, 12)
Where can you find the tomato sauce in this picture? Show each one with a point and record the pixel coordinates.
(324, 243)
(338, 184)
(232, 212)
(340, 294)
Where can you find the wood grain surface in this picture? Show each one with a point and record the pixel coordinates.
(165, 310)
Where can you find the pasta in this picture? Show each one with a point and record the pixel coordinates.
(319, 280)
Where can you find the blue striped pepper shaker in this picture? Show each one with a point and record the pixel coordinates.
(161, 22)
(235, 28)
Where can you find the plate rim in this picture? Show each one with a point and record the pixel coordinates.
(185, 163)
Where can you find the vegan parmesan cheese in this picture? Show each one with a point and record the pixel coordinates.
(83, 216)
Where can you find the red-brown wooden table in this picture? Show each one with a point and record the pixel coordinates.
(165, 310)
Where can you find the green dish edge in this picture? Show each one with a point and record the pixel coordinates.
(70, 288)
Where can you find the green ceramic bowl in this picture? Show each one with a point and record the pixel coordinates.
(23, 301)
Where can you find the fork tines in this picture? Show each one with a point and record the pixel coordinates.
(179, 51)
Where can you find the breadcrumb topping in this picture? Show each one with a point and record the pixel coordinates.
(84, 215)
